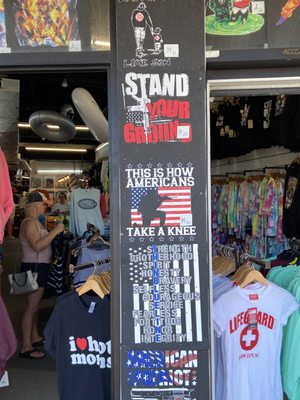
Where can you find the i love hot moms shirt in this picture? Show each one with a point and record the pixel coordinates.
(78, 337)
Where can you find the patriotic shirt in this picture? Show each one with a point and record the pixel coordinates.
(250, 323)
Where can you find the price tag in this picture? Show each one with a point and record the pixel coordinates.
(4, 380)
(183, 132)
(212, 53)
(5, 50)
(171, 50)
(92, 307)
(258, 7)
(251, 315)
(186, 220)
(75, 45)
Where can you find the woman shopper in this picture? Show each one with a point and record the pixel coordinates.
(36, 249)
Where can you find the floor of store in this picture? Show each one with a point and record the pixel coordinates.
(28, 379)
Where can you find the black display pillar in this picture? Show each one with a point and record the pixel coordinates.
(164, 305)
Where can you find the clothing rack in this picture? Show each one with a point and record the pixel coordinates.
(240, 256)
(97, 263)
(247, 171)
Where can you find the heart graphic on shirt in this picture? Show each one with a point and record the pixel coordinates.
(81, 343)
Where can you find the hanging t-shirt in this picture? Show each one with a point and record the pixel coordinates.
(283, 23)
(250, 322)
(221, 285)
(85, 209)
(91, 255)
(39, 23)
(6, 196)
(78, 337)
(232, 24)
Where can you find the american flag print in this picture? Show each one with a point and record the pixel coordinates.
(151, 368)
(176, 207)
(188, 326)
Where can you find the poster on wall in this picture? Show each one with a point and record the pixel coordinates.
(164, 271)
(235, 24)
(39, 23)
(284, 24)
(253, 24)
(36, 25)
(2, 26)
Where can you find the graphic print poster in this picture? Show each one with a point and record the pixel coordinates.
(248, 24)
(2, 26)
(157, 108)
(159, 202)
(44, 23)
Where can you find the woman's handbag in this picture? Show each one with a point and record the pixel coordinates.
(23, 282)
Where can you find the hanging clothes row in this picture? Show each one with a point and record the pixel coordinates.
(249, 209)
(235, 254)
(90, 255)
(242, 124)
(249, 314)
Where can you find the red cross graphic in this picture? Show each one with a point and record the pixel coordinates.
(249, 338)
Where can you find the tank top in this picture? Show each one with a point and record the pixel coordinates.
(29, 254)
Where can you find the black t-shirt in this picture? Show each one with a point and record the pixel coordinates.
(78, 337)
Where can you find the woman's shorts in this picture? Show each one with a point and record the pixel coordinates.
(41, 268)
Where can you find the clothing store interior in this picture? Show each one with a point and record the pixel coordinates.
(54, 151)
(255, 211)
(255, 234)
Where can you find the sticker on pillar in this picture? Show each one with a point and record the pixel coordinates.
(160, 201)
(157, 108)
(235, 17)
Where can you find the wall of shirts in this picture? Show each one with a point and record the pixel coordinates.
(249, 211)
(255, 189)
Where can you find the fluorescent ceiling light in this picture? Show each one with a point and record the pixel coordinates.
(59, 171)
(101, 146)
(62, 149)
(52, 126)
(78, 127)
(23, 125)
(81, 128)
(101, 43)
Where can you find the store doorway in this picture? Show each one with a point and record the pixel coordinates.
(253, 139)
(48, 170)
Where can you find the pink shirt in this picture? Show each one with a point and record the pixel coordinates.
(6, 196)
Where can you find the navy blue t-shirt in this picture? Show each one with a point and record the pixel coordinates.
(78, 337)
